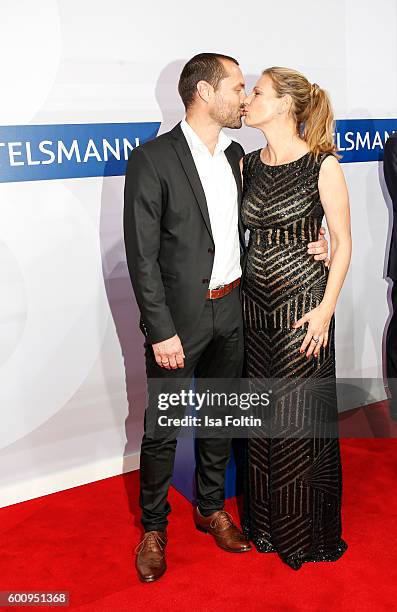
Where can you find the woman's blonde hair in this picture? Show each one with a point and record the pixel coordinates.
(311, 108)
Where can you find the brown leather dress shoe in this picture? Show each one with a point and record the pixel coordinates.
(221, 526)
(150, 556)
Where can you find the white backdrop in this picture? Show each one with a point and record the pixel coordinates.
(72, 386)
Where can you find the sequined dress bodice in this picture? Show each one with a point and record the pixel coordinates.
(283, 211)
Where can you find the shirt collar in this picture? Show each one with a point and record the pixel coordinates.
(195, 142)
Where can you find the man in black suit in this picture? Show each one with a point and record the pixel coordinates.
(390, 171)
(185, 250)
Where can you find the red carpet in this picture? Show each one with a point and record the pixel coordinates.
(82, 541)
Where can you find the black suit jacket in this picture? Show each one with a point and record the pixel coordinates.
(167, 232)
(390, 170)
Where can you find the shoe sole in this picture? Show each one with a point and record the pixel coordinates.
(147, 580)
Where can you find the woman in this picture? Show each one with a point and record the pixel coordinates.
(293, 501)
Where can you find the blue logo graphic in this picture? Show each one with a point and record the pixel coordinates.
(45, 152)
(362, 140)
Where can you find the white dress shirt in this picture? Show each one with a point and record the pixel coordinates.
(220, 190)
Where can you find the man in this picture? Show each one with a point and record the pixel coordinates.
(390, 171)
(185, 246)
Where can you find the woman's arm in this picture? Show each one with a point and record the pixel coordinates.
(335, 201)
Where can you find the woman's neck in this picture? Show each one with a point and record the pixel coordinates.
(283, 144)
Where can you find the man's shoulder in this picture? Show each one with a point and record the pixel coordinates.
(157, 144)
(154, 150)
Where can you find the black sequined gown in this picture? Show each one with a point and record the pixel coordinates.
(294, 480)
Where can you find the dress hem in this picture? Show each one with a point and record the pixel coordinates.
(296, 560)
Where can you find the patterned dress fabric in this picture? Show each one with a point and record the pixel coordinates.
(294, 479)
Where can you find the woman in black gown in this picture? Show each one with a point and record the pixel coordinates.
(293, 498)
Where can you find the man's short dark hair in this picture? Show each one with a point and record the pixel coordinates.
(202, 67)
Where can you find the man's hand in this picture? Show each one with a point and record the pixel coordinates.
(320, 248)
(169, 353)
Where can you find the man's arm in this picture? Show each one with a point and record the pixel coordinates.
(390, 168)
(142, 220)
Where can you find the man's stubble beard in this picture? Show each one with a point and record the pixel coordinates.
(236, 124)
(227, 117)
(232, 119)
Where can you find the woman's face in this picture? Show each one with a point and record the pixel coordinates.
(263, 105)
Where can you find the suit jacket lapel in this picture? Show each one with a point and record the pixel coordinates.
(186, 159)
(235, 166)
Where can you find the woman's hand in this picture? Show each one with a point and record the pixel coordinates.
(319, 319)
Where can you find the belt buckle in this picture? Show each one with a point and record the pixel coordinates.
(215, 289)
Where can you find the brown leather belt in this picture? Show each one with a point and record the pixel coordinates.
(214, 294)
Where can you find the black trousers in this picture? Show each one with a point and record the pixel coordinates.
(391, 350)
(214, 350)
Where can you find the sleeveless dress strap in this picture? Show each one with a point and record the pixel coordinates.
(324, 156)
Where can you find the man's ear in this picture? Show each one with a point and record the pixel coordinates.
(204, 90)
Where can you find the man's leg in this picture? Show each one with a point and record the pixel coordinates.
(391, 353)
(159, 443)
(222, 359)
(158, 449)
